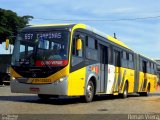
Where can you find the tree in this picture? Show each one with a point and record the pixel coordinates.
(10, 24)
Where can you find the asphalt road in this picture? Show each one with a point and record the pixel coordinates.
(29, 106)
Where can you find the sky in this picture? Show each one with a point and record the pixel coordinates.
(109, 16)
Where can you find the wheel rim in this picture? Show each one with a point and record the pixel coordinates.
(89, 91)
(125, 93)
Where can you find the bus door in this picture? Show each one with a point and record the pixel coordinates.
(103, 67)
(117, 61)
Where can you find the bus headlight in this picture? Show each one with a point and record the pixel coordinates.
(61, 80)
(13, 78)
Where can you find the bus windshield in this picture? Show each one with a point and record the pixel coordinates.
(41, 49)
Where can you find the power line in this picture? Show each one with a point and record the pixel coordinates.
(97, 20)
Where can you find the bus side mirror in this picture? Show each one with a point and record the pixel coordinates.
(7, 44)
(79, 44)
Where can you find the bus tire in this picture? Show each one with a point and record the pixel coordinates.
(147, 92)
(90, 92)
(125, 91)
(43, 96)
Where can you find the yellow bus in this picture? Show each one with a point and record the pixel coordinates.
(77, 60)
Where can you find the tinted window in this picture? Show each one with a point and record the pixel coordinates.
(130, 57)
(91, 43)
(124, 55)
(91, 48)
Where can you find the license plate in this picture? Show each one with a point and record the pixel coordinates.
(41, 81)
(34, 90)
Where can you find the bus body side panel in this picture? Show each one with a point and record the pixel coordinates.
(76, 82)
(152, 80)
(131, 74)
(116, 80)
(79, 79)
(154, 83)
(144, 82)
(141, 81)
(111, 79)
(126, 75)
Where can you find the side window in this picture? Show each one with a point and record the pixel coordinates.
(155, 69)
(127, 60)
(127, 56)
(110, 61)
(148, 67)
(96, 44)
(91, 43)
(116, 56)
(124, 59)
(130, 62)
(130, 57)
(124, 55)
(140, 64)
(77, 55)
(152, 68)
(74, 47)
(75, 52)
(91, 48)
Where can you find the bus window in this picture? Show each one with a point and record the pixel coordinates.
(91, 48)
(117, 58)
(75, 52)
(77, 55)
(124, 55)
(130, 57)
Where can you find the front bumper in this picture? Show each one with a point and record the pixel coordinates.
(57, 88)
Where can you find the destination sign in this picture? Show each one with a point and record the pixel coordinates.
(44, 35)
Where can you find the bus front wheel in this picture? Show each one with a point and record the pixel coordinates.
(90, 92)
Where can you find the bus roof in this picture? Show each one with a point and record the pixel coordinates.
(48, 25)
(110, 38)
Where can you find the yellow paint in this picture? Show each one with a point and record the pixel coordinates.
(52, 78)
(76, 82)
(116, 93)
(112, 39)
(41, 80)
(141, 80)
(72, 32)
(152, 79)
(115, 86)
(76, 79)
(129, 76)
(14, 73)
